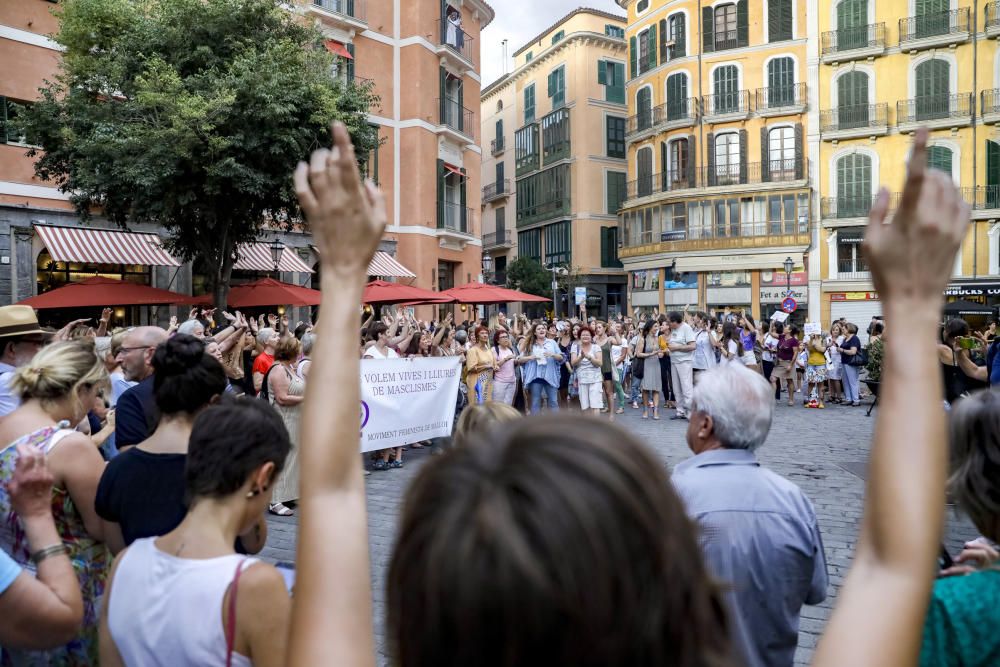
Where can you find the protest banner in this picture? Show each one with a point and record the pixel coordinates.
(407, 400)
(813, 328)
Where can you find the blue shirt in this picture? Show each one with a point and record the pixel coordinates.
(550, 371)
(9, 570)
(761, 540)
(136, 415)
(993, 363)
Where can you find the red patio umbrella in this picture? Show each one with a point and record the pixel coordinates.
(380, 292)
(271, 292)
(100, 291)
(481, 293)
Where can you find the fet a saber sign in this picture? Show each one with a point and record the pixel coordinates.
(407, 400)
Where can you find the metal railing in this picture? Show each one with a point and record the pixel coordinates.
(497, 146)
(753, 173)
(777, 97)
(647, 119)
(455, 116)
(642, 121)
(854, 117)
(851, 39)
(454, 217)
(853, 269)
(934, 107)
(498, 238)
(742, 234)
(555, 132)
(496, 190)
(989, 101)
(936, 24)
(354, 9)
(456, 39)
(982, 197)
(992, 15)
(852, 206)
(736, 101)
(726, 39)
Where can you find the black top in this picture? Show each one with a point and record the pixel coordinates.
(143, 493)
(136, 414)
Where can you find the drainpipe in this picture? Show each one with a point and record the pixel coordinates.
(701, 116)
(975, 133)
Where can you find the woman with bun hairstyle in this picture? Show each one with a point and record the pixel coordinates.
(286, 389)
(141, 492)
(55, 389)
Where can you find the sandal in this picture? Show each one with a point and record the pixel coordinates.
(279, 509)
(645, 414)
(656, 414)
(620, 411)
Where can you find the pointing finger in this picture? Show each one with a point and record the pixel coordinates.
(915, 173)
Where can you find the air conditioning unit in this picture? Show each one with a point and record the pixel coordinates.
(670, 43)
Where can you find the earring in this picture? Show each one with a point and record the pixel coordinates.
(253, 494)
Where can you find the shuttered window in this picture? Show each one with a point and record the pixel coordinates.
(992, 174)
(529, 244)
(852, 24)
(643, 51)
(644, 171)
(557, 87)
(678, 165)
(677, 94)
(726, 85)
(529, 104)
(609, 248)
(781, 153)
(558, 36)
(932, 87)
(854, 186)
(611, 75)
(614, 31)
(615, 191)
(940, 157)
(779, 20)
(780, 82)
(932, 17)
(675, 39)
(852, 100)
(644, 108)
(616, 136)
(558, 243)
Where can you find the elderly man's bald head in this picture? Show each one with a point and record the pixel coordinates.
(136, 353)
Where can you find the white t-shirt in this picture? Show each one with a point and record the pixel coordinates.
(616, 353)
(373, 353)
(682, 335)
(770, 347)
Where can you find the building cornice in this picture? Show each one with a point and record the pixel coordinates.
(581, 10)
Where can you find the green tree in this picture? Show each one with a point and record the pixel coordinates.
(527, 275)
(190, 114)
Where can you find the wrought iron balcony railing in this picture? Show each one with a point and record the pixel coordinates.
(496, 190)
(854, 38)
(853, 269)
(454, 217)
(497, 146)
(982, 197)
(777, 97)
(753, 173)
(934, 107)
(854, 117)
(456, 39)
(935, 24)
(455, 116)
(354, 9)
(498, 238)
(852, 206)
(735, 101)
(989, 101)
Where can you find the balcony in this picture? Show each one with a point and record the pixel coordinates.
(993, 19)
(721, 178)
(781, 100)
(743, 235)
(455, 44)
(641, 124)
(501, 238)
(934, 111)
(454, 219)
(342, 13)
(555, 131)
(726, 39)
(984, 200)
(858, 43)
(855, 209)
(497, 190)
(527, 157)
(497, 146)
(853, 269)
(851, 122)
(663, 118)
(989, 106)
(456, 120)
(726, 107)
(934, 30)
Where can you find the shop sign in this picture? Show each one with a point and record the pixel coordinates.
(777, 295)
(777, 278)
(976, 289)
(854, 296)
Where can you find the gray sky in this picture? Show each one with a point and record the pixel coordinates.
(518, 21)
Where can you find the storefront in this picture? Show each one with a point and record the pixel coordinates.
(776, 286)
(983, 292)
(856, 307)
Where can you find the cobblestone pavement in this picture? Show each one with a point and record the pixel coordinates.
(816, 449)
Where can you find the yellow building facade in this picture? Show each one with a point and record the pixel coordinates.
(721, 154)
(886, 68)
(554, 168)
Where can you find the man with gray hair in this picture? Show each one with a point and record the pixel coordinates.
(759, 532)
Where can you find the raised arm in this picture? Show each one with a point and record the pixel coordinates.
(332, 613)
(879, 615)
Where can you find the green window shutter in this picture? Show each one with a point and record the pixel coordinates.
(779, 20)
(765, 160)
(743, 156)
(499, 176)
(350, 61)
(933, 89)
(652, 46)
(692, 173)
(707, 30)
(443, 86)
(499, 131)
(440, 194)
(800, 158)
(464, 201)
(551, 84)
(528, 56)
(680, 36)
(460, 111)
(854, 185)
(940, 158)
(992, 174)
(710, 155)
(3, 120)
(604, 247)
(742, 23)
(602, 72)
(632, 56)
(558, 36)
(529, 104)
(663, 41)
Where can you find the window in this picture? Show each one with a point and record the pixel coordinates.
(678, 164)
(611, 75)
(725, 27)
(501, 223)
(779, 20)
(727, 158)
(854, 186)
(781, 153)
(677, 96)
(933, 89)
(644, 170)
(614, 31)
(555, 136)
(557, 87)
(852, 24)
(616, 136)
(529, 244)
(726, 84)
(556, 38)
(939, 157)
(615, 191)
(674, 37)
(499, 177)
(529, 104)
(641, 6)
(10, 132)
(992, 174)
(852, 100)
(780, 83)
(528, 57)
(526, 149)
(543, 196)
(932, 17)
(644, 109)
(850, 259)
(453, 213)
(369, 165)
(647, 49)
(609, 248)
(558, 243)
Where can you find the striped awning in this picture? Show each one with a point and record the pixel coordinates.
(104, 246)
(257, 257)
(384, 265)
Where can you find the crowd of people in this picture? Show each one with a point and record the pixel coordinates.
(141, 464)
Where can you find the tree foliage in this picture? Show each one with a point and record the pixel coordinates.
(190, 114)
(527, 275)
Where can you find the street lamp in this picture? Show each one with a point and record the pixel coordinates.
(277, 250)
(789, 267)
(487, 268)
(556, 270)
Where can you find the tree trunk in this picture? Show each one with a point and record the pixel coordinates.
(221, 274)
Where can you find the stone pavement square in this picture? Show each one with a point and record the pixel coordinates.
(823, 451)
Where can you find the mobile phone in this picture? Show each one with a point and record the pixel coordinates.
(968, 343)
(944, 559)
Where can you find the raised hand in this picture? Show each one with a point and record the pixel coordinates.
(193, 315)
(229, 317)
(106, 315)
(67, 331)
(30, 488)
(272, 320)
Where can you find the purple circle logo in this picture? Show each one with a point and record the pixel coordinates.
(365, 414)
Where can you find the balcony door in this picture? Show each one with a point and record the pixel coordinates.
(852, 24)
(854, 186)
(644, 170)
(852, 100)
(677, 164)
(992, 174)
(933, 96)
(726, 85)
(677, 93)
(644, 108)
(932, 18)
(727, 158)
(780, 82)
(940, 158)
(781, 154)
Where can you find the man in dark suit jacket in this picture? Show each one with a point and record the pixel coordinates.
(136, 414)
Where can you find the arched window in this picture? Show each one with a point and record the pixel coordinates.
(677, 96)
(780, 82)
(726, 85)
(644, 108)
(727, 158)
(854, 185)
(499, 106)
(940, 157)
(852, 100)
(781, 154)
(852, 24)
(933, 94)
(644, 170)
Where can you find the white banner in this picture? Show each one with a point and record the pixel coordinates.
(407, 400)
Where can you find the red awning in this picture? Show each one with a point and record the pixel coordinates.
(454, 170)
(99, 291)
(268, 292)
(381, 292)
(481, 293)
(104, 246)
(338, 49)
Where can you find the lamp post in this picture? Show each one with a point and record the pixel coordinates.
(277, 250)
(487, 268)
(556, 270)
(789, 267)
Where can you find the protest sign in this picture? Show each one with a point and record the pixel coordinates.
(407, 400)
(779, 316)
(812, 328)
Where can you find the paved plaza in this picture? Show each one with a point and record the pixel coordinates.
(823, 451)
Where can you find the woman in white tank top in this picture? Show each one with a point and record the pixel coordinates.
(187, 599)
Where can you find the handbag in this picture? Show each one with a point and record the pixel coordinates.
(638, 369)
(231, 620)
